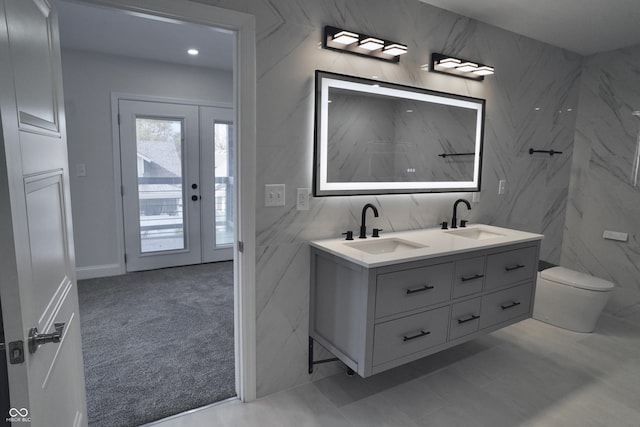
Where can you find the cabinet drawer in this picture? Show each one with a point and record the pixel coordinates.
(411, 289)
(408, 335)
(504, 305)
(465, 318)
(469, 276)
(510, 267)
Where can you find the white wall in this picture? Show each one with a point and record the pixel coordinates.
(89, 79)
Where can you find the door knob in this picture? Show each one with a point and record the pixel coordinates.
(36, 339)
(194, 198)
(194, 186)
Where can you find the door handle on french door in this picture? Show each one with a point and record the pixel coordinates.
(194, 186)
(194, 198)
(36, 339)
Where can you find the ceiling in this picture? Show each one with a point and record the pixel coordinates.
(113, 31)
(581, 26)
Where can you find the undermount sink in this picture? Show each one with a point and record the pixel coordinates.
(475, 233)
(384, 246)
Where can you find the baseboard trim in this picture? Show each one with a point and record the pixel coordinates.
(95, 271)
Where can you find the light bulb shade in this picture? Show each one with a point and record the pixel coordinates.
(467, 67)
(395, 49)
(449, 63)
(483, 71)
(345, 37)
(371, 44)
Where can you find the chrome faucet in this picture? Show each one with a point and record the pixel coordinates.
(454, 220)
(363, 227)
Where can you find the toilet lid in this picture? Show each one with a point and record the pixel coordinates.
(575, 278)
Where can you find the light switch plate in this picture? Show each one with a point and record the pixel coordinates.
(274, 195)
(502, 186)
(302, 199)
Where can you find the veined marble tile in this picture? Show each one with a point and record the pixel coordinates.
(288, 34)
(601, 195)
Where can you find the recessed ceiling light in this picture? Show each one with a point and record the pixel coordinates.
(193, 52)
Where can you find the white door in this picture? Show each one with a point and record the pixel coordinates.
(38, 286)
(177, 188)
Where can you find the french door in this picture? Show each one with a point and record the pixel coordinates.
(177, 179)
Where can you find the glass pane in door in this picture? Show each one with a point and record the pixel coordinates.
(160, 190)
(223, 154)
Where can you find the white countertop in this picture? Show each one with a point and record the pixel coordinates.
(433, 242)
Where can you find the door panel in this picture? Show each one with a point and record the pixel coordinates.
(31, 34)
(216, 171)
(38, 288)
(159, 161)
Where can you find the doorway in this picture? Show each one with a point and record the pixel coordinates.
(177, 183)
(243, 164)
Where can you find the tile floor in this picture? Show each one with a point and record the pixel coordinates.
(529, 374)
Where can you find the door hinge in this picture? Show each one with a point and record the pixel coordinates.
(122, 190)
(118, 119)
(240, 246)
(125, 258)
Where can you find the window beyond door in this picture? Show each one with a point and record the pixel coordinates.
(160, 193)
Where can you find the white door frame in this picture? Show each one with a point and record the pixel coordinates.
(245, 189)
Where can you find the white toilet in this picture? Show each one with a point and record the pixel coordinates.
(570, 299)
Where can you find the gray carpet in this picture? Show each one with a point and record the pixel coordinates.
(157, 343)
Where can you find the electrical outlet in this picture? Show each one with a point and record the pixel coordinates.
(502, 186)
(274, 195)
(475, 198)
(615, 235)
(81, 169)
(302, 199)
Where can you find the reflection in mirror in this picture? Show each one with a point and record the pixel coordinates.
(374, 138)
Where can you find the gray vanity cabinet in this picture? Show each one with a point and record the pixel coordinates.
(374, 319)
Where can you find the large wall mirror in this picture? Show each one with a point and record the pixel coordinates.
(373, 137)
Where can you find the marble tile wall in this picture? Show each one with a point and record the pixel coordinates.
(601, 194)
(531, 102)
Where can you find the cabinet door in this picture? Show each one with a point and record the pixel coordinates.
(408, 335)
(469, 276)
(465, 318)
(406, 290)
(504, 305)
(510, 267)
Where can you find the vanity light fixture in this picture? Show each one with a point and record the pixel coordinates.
(459, 67)
(362, 44)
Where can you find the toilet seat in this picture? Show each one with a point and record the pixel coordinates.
(576, 279)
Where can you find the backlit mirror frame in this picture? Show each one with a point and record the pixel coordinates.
(325, 80)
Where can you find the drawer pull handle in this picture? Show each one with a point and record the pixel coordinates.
(468, 319)
(513, 304)
(515, 267)
(422, 289)
(421, 334)
(474, 277)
